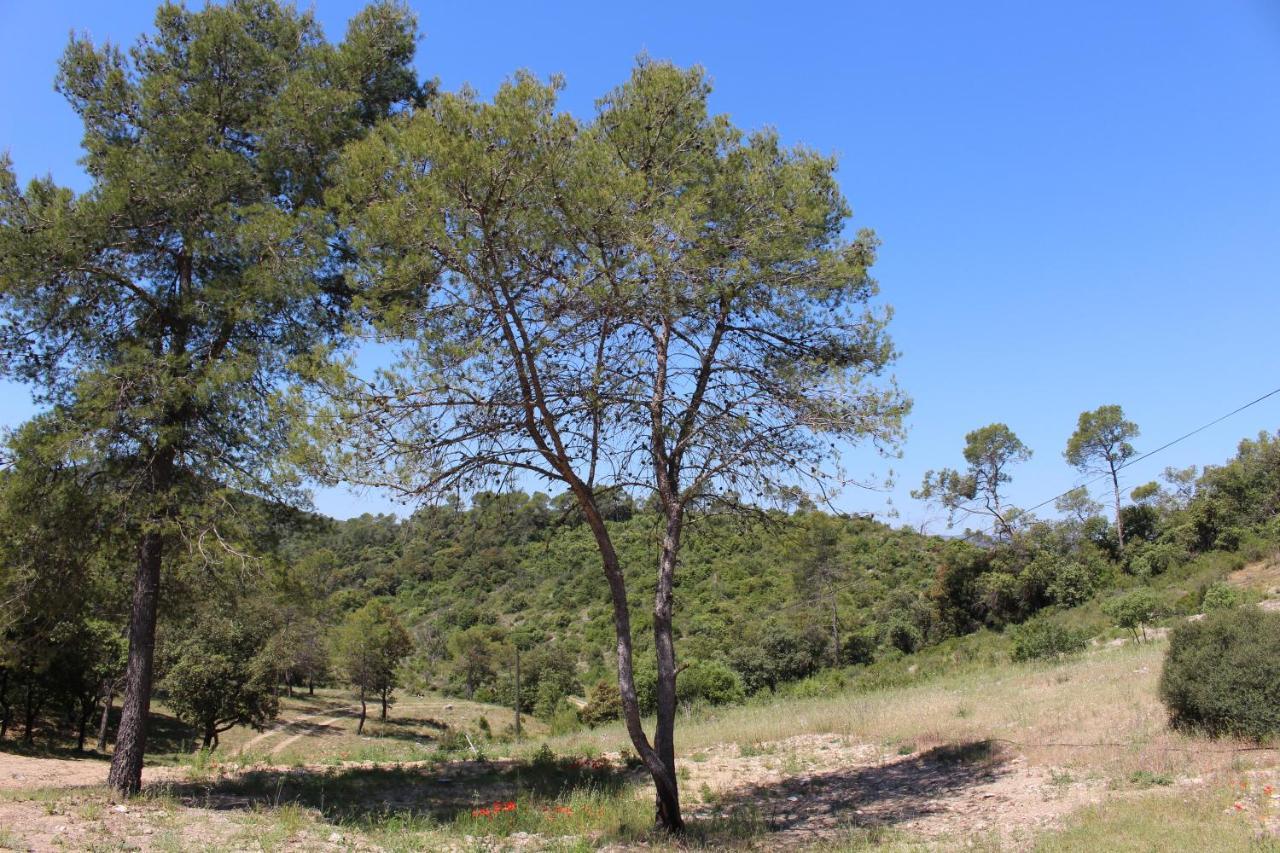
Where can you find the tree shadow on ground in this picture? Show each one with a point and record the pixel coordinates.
(374, 795)
(881, 796)
(54, 738)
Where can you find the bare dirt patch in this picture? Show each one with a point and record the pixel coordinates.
(1263, 576)
(811, 787)
(27, 772)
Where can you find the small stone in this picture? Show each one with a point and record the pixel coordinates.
(335, 837)
(120, 809)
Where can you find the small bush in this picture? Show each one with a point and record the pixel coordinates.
(1222, 675)
(1040, 639)
(1134, 610)
(1219, 596)
(604, 703)
(711, 682)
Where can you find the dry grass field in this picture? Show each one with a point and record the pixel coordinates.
(1068, 757)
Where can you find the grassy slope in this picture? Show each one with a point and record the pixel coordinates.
(1104, 703)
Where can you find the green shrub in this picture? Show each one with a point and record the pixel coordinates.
(565, 719)
(604, 703)
(1071, 584)
(710, 682)
(1134, 610)
(1041, 639)
(1222, 674)
(1220, 596)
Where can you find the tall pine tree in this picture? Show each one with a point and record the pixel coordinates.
(160, 311)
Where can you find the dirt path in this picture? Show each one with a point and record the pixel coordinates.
(293, 726)
(318, 728)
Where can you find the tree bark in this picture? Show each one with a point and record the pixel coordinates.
(667, 806)
(1115, 484)
(106, 716)
(663, 780)
(384, 704)
(125, 776)
(363, 713)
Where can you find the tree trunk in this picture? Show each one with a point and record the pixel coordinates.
(1115, 484)
(835, 630)
(6, 709)
(31, 709)
(384, 703)
(667, 806)
(664, 781)
(125, 776)
(87, 707)
(363, 713)
(106, 716)
(311, 686)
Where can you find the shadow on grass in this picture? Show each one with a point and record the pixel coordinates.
(881, 796)
(376, 796)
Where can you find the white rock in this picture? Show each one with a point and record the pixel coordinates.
(335, 837)
(120, 809)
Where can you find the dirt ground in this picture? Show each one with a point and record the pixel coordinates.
(808, 787)
(805, 789)
(27, 772)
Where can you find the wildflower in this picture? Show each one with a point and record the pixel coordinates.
(1238, 806)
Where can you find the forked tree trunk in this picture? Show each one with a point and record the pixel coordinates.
(125, 776)
(664, 777)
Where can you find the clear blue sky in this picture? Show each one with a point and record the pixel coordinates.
(1079, 202)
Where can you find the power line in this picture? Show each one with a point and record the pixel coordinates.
(1085, 485)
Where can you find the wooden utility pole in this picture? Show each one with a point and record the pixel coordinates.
(517, 693)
